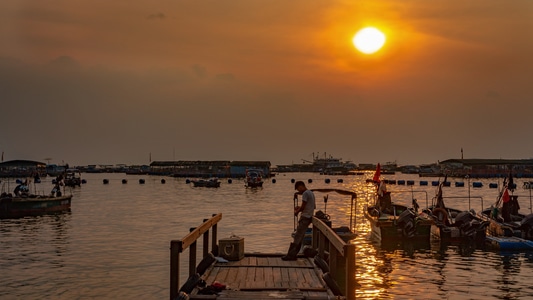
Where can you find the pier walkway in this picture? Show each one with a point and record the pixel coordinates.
(324, 274)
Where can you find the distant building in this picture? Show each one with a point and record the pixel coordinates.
(207, 168)
(238, 168)
(22, 168)
(487, 167)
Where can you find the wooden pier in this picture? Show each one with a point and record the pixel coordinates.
(328, 272)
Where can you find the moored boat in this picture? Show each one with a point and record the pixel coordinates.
(32, 205)
(213, 182)
(504, 216)
(254, 178)
(455, 225)
(72, 178)
(393, 222)
(345, 232)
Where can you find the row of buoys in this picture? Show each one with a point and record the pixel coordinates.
(476, 184)
(124, 181)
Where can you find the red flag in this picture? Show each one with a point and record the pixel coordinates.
(377, 174)
(505, 196)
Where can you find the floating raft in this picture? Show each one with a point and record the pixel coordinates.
(509, 243)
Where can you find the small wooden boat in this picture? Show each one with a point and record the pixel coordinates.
(455, 225)
(346, 233)
(505, 218)
(254, 178)
(72, 178)
(213, 183)
(32, 205)
(393, 222)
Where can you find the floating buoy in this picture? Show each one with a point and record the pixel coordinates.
(230, 181)
(83, 181)
(106, 181)
(274, 180)
(141, 181)
(477, 184)
(187, 181)
(340, 180)
(434, 183)
(327, 180)
(163, 180)
(410, 182)
(124, 181)
(459, 184)
(446, 183)
(401, 182)
(309, 180)
(493, 185)
(423, 182)
(292, 180)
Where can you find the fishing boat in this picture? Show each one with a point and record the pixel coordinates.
(22, 203)
(394, 222)
(504, 216)
(72, 178)
(455, 225)
(212, 183)
(254, 178)
(16, 207)
(346, 233)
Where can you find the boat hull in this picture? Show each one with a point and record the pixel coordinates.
(386, 228)
(254, 184)
(509, 243)
(16, 207)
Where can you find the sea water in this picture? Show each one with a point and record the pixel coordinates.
(115, 242)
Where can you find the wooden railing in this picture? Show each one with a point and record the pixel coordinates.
(190, 241)
(341, 257)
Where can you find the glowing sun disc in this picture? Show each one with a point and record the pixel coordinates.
(369, 40)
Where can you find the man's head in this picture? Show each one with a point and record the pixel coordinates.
(300, 186)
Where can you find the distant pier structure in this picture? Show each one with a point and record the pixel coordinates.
(208, 168)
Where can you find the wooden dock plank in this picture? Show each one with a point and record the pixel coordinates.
(267, 277)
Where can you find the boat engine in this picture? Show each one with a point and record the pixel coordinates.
(406, 222)
(526, 225)
(469, 224)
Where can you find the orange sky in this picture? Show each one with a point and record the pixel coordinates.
(89, 82)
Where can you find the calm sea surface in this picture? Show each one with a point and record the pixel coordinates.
(114, 244)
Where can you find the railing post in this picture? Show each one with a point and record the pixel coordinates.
(314, 239)
(321, 244)
(351, 284)
(175, 249)
(192, 256)
(206, 242)
(214, 245)
(333, 259)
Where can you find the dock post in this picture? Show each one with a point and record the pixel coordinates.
(214, 245)
(175, 249)
(192, 256)
(206, 242)
(351, 284)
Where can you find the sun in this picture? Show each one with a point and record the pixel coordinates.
(369, 40)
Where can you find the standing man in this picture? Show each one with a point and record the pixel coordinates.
(307, 209)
